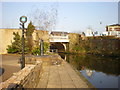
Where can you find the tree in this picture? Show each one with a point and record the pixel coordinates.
(36, 50)
(16, 46)
(29, 32)
(45, 19)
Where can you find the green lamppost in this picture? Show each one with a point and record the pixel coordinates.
(23, 20)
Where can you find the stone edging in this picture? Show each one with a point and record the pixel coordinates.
(25, 78)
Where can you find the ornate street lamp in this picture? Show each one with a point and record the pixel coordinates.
(23, 20)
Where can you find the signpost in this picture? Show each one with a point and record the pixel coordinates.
(41, 47)
(23, 20)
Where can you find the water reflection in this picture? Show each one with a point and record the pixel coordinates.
(102, 72)
(101, 80)
(92, 62)
(89, 73)
(1, 71)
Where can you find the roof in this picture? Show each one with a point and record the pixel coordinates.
(114, 25)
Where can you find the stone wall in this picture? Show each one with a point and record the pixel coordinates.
(33, 59)
(106, 45)
(26, 78)
(6, 37)
(74, 40)
(29, 76)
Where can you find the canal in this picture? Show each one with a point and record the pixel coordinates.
(100, 71)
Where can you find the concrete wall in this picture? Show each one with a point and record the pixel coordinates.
(26, 78)
(6, 37)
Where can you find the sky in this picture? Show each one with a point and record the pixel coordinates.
(72, 16)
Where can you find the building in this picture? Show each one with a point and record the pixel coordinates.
(105, 33)
(113, 30)
(89, 32)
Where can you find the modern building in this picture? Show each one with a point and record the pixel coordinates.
(113, 30)
(89, 32)
(105, 33)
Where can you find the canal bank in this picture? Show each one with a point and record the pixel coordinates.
(54, 73)
(61, 76)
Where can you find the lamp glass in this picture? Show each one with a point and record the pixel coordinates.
(23, 19)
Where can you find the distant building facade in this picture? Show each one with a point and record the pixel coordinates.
(89, 32)
(105, 33)
(113, 30)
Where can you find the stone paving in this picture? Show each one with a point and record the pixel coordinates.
(60, 76)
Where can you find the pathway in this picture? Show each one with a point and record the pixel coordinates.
(60, 76)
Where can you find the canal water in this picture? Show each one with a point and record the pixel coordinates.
(100, 71)
(1, 71)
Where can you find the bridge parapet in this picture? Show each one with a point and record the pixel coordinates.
(59, 40)
(59, 37)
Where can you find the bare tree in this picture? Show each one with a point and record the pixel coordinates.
(45, 19)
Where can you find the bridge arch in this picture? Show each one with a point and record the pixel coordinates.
(64, 46)
(60, 47)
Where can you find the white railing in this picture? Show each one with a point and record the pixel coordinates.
(59, 39)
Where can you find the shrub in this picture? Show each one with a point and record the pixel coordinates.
(16, 46)
(36, 51)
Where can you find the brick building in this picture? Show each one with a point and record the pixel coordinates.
(113, 30)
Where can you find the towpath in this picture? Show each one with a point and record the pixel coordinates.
(60, 76)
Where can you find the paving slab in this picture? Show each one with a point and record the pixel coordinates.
(60, 76)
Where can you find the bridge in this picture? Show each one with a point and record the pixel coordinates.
(58, 41)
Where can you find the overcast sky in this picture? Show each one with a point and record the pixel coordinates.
(72, 16)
